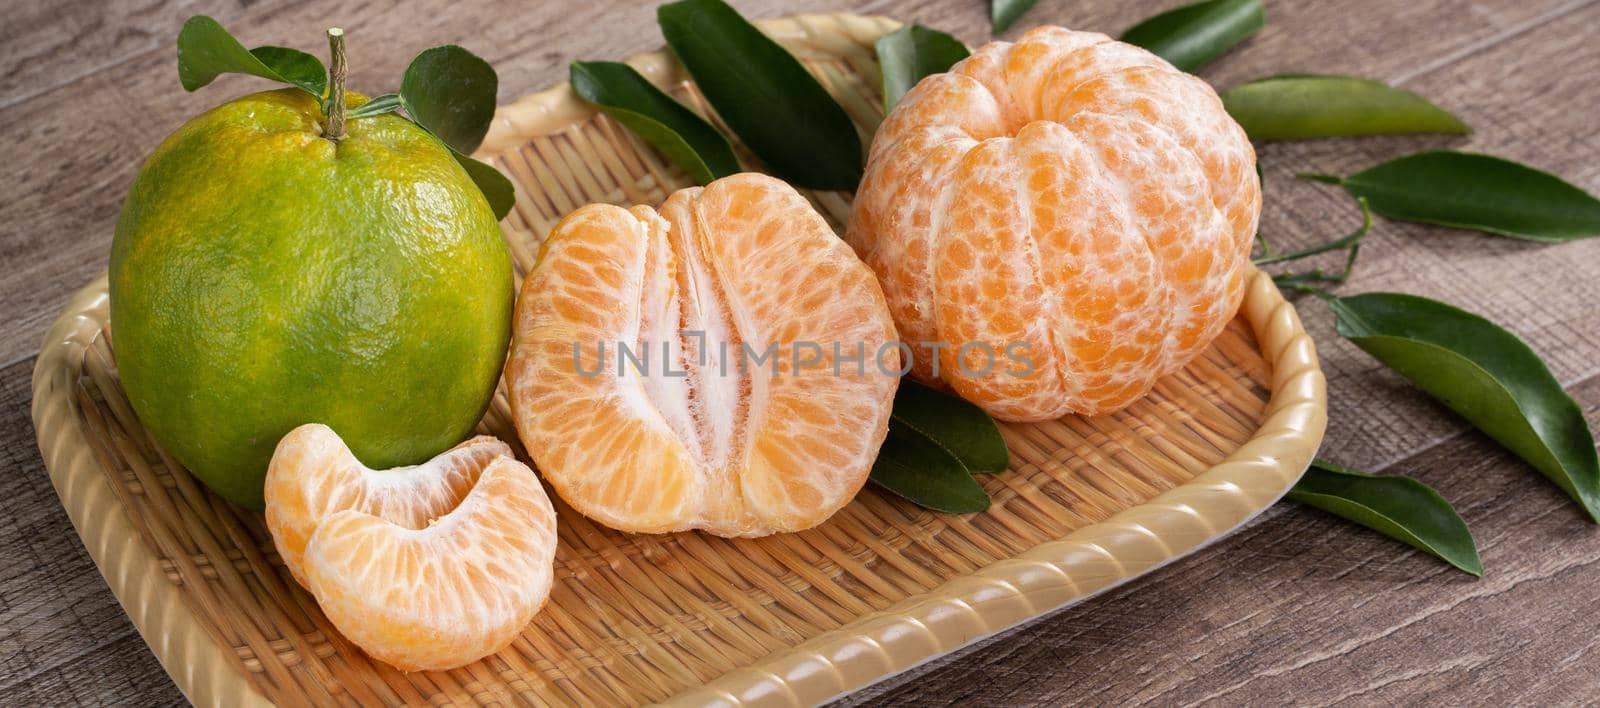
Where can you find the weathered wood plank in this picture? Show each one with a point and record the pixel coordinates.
(63, 637)
(1301, 608)
(44, 45)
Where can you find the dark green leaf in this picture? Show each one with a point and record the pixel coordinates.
(776, 107)
(206, 51)
(450, 91)
(296, 67)
(1398, 507)
(913, 467)
(1473, 191)
(952, 424)
(495, 187)
(378, 105)
(1193, 35)
(912, 52)
(1296, 107)
(679, 133)
(1484, 373)
(1004, 13)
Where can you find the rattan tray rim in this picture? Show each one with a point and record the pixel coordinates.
(1048, 577)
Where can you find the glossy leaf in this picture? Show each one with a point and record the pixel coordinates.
(1193, 35)
(1004, 13)
(776, 107)
(295, 67)
(1301, 106)
(206, 51)
(377, 105)
(926, 474)
(912, 52)
(1473, 191)
(1484, 373)
(950, 422)
(683, 136)
(451, 92)
(495, 187)
(1398, 507)
(936, 443)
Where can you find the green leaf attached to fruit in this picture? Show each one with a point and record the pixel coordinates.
(451, 92)
(498, 190)
(448, 91)
(377, 105)
(206, 51)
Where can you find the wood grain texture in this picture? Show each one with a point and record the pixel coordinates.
(88, 88)
(1352, 616)
(63, 637)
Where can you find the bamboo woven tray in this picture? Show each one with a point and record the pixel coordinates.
(790, 619)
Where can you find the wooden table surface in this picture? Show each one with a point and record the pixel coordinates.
(1297, 607)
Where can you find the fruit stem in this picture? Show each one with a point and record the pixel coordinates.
(333, 108)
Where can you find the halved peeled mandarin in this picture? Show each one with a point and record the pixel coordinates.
(428, 567)
(1070, 200)
(725, 363)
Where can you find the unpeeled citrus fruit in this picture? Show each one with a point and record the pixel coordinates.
(264, 276)
(1073, 198)
(703, 436)
(427, 567)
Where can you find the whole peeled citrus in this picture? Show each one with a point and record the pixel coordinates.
(1058, 222)
(264, 276)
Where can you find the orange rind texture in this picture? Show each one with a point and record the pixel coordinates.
(1070, 196)
(709, 434)
(428, 567)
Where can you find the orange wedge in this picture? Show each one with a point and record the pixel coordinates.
(427, 567)
(708, 433)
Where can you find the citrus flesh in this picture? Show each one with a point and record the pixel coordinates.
(263, 276)
(313, 475)
(1069, 196)
(429, 567)
(743, 265)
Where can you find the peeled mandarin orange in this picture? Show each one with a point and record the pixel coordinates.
(428, 567)
(751, 413)
(1073, 198)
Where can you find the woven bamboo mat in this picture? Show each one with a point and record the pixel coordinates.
(635, 618)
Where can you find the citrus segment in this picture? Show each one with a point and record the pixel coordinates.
(427, 567)
(713, 365)
(313, 475)
(1070, 196)
(445, 595)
